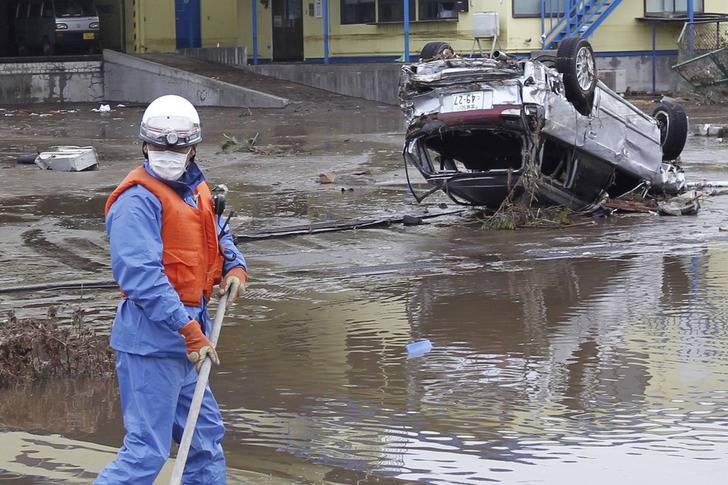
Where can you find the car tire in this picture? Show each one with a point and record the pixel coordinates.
(576, 61)
(434, 50)
(47, 47)
(673, 124)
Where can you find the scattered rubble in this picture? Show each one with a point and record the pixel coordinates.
(250, 145)
(632, 205)
(711, 130)
(686, 204)
(232, 144)
(519, 215)
(327, 178)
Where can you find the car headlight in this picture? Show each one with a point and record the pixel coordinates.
(61, 26)
(93, 25)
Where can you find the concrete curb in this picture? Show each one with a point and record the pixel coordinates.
(131, 79)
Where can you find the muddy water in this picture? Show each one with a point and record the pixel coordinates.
(594, 353)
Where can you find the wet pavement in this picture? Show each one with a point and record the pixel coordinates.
(594, 353)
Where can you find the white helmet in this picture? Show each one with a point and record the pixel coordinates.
(171, 121)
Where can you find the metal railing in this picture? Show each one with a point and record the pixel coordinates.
(564, 18)
(703, 53)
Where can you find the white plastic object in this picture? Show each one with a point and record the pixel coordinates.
(486, 24)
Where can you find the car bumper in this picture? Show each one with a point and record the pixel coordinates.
(72, 40)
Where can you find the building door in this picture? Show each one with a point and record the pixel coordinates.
(187, 16)
(287, 30)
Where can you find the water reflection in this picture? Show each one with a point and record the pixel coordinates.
(64, 406)
(528, 365)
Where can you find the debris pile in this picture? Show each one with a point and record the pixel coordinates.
(33, 349)
(520, 215)
(232, 144)
(250, 145)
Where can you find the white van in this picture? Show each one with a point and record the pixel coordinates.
(52, 26)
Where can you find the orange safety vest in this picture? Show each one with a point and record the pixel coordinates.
(191, 257)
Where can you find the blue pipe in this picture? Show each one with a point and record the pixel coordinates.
(567, 15)
(406, 30)
(691, 18)
(543, 22)
(255, 32)
(654, 57)
(326, 31)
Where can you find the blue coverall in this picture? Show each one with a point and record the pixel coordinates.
(155, 378)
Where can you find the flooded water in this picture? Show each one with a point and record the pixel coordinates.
(595, 353)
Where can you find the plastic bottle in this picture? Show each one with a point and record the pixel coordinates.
(421, 347)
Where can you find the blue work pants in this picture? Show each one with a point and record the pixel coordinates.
(156, 393)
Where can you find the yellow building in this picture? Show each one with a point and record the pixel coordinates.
(634, 39)
(364, 30)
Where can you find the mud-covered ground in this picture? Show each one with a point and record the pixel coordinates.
(559, 354)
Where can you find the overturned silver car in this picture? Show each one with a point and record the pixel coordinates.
(484, 130)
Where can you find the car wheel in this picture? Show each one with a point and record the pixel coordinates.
(436, 50)
(673, 124)
(47, 48)
(576, 61)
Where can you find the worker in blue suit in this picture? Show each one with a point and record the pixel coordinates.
(167, 253)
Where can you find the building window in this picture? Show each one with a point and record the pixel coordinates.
(532, 8)
(357, 11)
(671, 8)
(364, 11)
(437, 9)
(393, 10)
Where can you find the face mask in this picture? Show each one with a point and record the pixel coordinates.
(168, 164)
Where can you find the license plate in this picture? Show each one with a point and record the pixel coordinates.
(89, 36)
(469, 101)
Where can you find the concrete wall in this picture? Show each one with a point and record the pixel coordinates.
(638, 71)
(371, 80)
(50, 82)
(129, 78)
(379, 81)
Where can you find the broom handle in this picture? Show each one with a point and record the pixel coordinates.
(202, 378)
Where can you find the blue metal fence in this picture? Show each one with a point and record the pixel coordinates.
(561, 19)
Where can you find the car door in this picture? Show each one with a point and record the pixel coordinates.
(606, 133)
